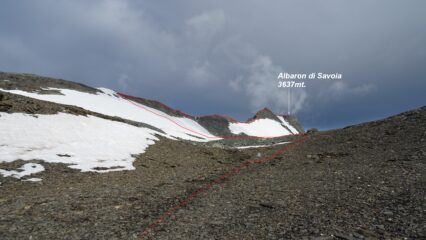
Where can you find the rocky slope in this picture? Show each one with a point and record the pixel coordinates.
(39, 84)
(361, 182)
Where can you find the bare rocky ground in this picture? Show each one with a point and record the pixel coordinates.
(362, 182)
(40, 84)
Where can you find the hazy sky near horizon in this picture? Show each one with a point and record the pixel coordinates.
(224, 57)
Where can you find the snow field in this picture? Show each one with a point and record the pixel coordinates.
(85, 143)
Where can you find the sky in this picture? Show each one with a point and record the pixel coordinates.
(218, 56)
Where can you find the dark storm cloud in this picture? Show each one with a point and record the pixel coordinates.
(227, 54)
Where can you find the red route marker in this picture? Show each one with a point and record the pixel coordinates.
(216, 181)
(126, 97)
(174, 110)
(219, 179)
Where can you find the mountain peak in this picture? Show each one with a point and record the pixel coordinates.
(264, 113)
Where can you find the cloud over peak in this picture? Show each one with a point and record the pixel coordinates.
(226, 54)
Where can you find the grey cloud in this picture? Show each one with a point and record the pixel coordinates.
(261, 86)
(227, 54)
(205, 25)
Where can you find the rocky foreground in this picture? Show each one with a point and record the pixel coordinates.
(362, 182)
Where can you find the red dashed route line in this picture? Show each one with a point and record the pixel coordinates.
(217, 180)
(180, 112)
(125, 97)
(175, 110)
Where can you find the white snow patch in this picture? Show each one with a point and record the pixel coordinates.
(32, 180)
(26, 169)
(259, 127)
(110, 104)
(288, 125)
(261, 146)
(106, 90)
(85, 143)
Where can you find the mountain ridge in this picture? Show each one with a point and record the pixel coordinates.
(36, 83)
(101, 115)
(216, 124)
